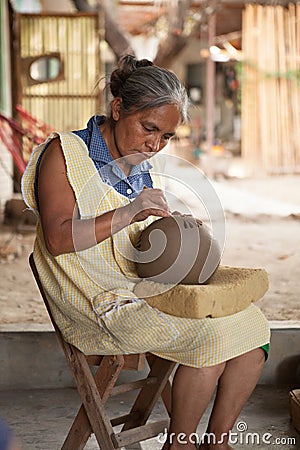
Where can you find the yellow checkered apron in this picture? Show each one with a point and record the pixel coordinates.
(90, 292)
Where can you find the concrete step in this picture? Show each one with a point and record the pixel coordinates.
(31, 358)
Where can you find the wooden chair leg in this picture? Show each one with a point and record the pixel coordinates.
(93, 404)
(161, 369)
(79, 432)
(105, 379)
(136, 446)
(166, 394)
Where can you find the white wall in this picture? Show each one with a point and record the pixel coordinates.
(6, 181)
(6, 164)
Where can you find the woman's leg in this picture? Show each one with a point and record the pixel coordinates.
(234, 388)
(194, 388)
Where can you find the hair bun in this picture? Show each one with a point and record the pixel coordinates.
(143, 63)
(126, 66)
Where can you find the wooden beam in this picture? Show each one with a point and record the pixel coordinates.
(210, 86)
(140, 433)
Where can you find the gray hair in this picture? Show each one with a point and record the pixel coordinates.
(142, 85)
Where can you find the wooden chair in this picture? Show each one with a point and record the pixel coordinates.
(95, 387)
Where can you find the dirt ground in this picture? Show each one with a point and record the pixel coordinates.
(270, 241)
(260, 241)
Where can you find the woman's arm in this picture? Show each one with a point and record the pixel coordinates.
(63, 231)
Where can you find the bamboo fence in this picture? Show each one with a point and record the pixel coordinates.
(270, 88)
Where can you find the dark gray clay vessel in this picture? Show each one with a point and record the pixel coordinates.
(177, 249)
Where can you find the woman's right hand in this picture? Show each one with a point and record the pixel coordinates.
(150, 202)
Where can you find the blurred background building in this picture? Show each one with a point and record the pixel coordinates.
(239, 61)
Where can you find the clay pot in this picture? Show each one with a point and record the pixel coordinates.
(177, 249)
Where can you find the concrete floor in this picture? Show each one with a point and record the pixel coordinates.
(41, 418)
(39, 402)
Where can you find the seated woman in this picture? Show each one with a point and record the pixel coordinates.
(87, 189)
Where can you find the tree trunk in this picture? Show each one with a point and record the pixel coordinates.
(169, 49)
(83, 5)
(114, 35)
(175, 42)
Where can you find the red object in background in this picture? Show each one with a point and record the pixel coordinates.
(21, 136)
(11, 134)
(38, 129)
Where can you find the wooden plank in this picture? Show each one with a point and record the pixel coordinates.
(123, 419)
(79, 432)
(132, 386)
(93, 360)
(134, 361)
(293, 84)
(250, 132)
(107, 375)
(285, 142)
(262, 88)
(140, 433)
(298, 89)
(210, 87)
(166, 394)
(274, 127)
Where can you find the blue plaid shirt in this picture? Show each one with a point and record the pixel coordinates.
(108, 169)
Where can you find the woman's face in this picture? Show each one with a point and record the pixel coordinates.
(141, 134)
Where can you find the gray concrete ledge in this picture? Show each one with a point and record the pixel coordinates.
(25, 327)
(30, 357)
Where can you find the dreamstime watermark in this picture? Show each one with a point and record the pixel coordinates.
(241, 436)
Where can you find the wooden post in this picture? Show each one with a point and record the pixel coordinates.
(210, 86)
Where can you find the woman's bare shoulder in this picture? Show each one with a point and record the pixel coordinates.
(53, 156)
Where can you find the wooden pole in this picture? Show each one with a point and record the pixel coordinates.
(210, 86)
(284, 95)
(249, 110)
(293, 84)
(297, 45)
